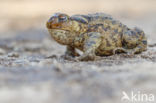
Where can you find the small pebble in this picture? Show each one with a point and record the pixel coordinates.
(13, 54)
(51, 57)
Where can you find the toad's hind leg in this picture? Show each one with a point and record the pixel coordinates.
(134, 41)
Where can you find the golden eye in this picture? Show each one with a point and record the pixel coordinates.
(62, 18)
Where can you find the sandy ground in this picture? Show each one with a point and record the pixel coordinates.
(27, 76)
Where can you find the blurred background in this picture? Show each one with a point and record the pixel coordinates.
(31, 15)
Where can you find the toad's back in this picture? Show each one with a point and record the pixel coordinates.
(97, 18)
(106, 22)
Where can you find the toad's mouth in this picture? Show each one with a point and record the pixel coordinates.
(55, 30)
(58, 29)
(57, 26)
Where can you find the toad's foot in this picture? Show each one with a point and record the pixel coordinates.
(128, 51)
(70, 52)
(87, 57)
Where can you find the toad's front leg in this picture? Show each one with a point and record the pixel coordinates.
(70, 53)
(92, 42)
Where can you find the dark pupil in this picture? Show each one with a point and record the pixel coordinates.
(62, 18)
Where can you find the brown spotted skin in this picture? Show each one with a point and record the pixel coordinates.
(96, 35)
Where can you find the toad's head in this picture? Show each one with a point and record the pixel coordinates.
(64, 28)
(59, 21)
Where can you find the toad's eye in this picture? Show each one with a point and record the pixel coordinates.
(62, 18)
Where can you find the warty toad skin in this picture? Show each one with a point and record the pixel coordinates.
(96, 35)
